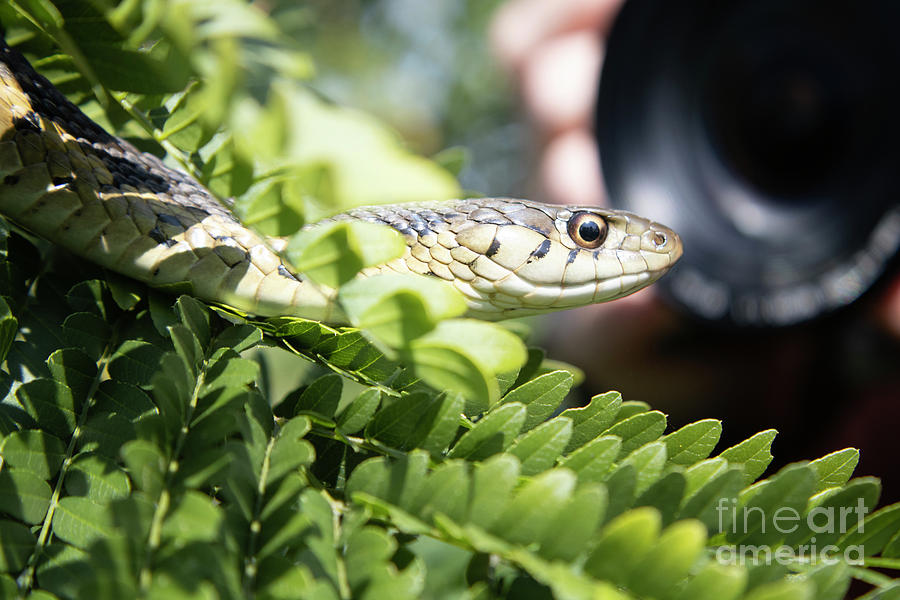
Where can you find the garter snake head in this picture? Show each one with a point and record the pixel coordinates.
(515, 257)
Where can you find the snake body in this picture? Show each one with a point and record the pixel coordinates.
(65, 178)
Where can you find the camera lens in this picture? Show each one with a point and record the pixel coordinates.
(779, 119)
(766, 134)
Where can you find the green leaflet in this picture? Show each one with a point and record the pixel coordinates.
(88, 332)
(359, 412)
(670, 560)
(465, 356)
(17, 542)
(593, 419)
(664, 494)
(593, 460)
(50, 403)
(9, 325)
(623, 542)
(541, 395)
(789, 489)
(875, 532)
(398, 308)
(418, 420)
(539, 448)
(836, 468)
(492, 434)
(831, 514)
(33, 450)
(321, 397)
(333, 254)
(80, 521)
(715, 582)
(97, 478)
(693, 442)
(638, 429)
(753, 453)
(24, 495)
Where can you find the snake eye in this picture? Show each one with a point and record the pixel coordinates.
(587, 229)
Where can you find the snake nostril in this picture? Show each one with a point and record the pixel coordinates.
(660, 239)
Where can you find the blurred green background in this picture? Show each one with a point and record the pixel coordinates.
(425, 69)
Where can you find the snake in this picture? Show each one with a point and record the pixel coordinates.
(66, 179)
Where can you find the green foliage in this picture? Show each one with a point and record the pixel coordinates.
(333, 254)
(144, 453)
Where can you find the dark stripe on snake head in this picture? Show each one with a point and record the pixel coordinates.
(535, 220)
(541, 251)
(168, 219)
(493, 249)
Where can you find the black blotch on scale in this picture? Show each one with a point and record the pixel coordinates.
(168, 220)
(571, 258)
(419, 225)
(541, 251)
(282, 270)
(493, 249)
(30, 122)
(160, 238)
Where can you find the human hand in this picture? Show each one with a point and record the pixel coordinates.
(554, 49)
(754, 379)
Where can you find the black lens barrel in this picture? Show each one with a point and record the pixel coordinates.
(767, 134)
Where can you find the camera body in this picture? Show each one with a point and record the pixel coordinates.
(767, 133)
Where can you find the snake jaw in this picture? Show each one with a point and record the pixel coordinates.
(635, 253)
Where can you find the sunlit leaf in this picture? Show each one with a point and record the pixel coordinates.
(693, 442)
(495, 432)
(623, 542)
(835, 468)
(538, 449)
(398, 308)
(754, 454)
(593, 460)
(333, 254)
(591, 420)
(464, 355)
(541, 395)
(639, 429)
(97, 478)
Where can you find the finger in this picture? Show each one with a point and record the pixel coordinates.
(888, 310)
(559, 81)
(521, 25)
(570, 169)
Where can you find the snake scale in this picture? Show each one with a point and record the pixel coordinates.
(66, 179)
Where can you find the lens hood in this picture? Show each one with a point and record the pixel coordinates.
(767, 134)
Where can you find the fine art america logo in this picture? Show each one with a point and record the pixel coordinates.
(750, 522)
